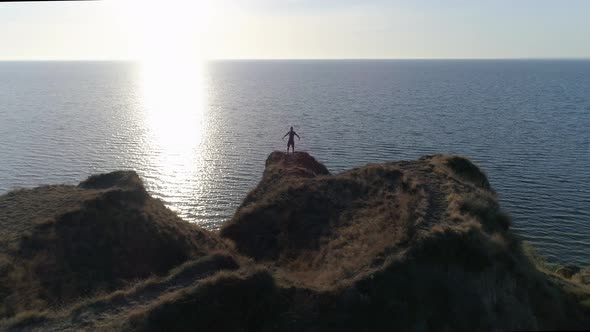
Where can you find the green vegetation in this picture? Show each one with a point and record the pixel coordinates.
(410, 245)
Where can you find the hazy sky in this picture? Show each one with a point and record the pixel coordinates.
(130, 29)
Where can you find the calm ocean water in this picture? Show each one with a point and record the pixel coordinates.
(199, 135)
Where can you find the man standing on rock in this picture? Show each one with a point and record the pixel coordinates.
(291, 142)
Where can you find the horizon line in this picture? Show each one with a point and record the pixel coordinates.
(293, 59)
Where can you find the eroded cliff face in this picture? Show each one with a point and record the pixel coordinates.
(409, 245)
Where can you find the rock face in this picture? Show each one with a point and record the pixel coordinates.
(409, 245)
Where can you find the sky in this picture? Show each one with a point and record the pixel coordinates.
(294, 29)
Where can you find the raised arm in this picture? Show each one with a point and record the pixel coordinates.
(286, 135)
(297, 135)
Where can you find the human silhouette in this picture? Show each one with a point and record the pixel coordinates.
(291, 142)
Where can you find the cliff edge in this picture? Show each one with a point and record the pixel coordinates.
(408, 245)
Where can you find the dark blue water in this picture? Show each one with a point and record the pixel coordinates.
(199, 135)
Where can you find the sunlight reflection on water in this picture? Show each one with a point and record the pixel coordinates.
(198, 135)
(173, 100)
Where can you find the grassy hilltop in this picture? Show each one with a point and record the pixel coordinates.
(410, 245)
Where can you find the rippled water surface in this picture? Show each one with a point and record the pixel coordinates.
(199, 134)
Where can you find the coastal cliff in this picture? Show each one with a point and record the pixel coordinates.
(408, 245)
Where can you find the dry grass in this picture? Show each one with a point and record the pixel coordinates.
(326, 229)
(410, 245)
(78, 241)
(232, 301)
(421, 238)
(102, 308)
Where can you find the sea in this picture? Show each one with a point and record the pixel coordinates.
(199, 133)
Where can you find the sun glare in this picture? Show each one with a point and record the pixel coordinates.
(166, 38)
(173, 101)
(167, 41)
(165, 30)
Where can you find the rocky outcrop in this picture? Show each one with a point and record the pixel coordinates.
(409, 245)
(362, 217)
